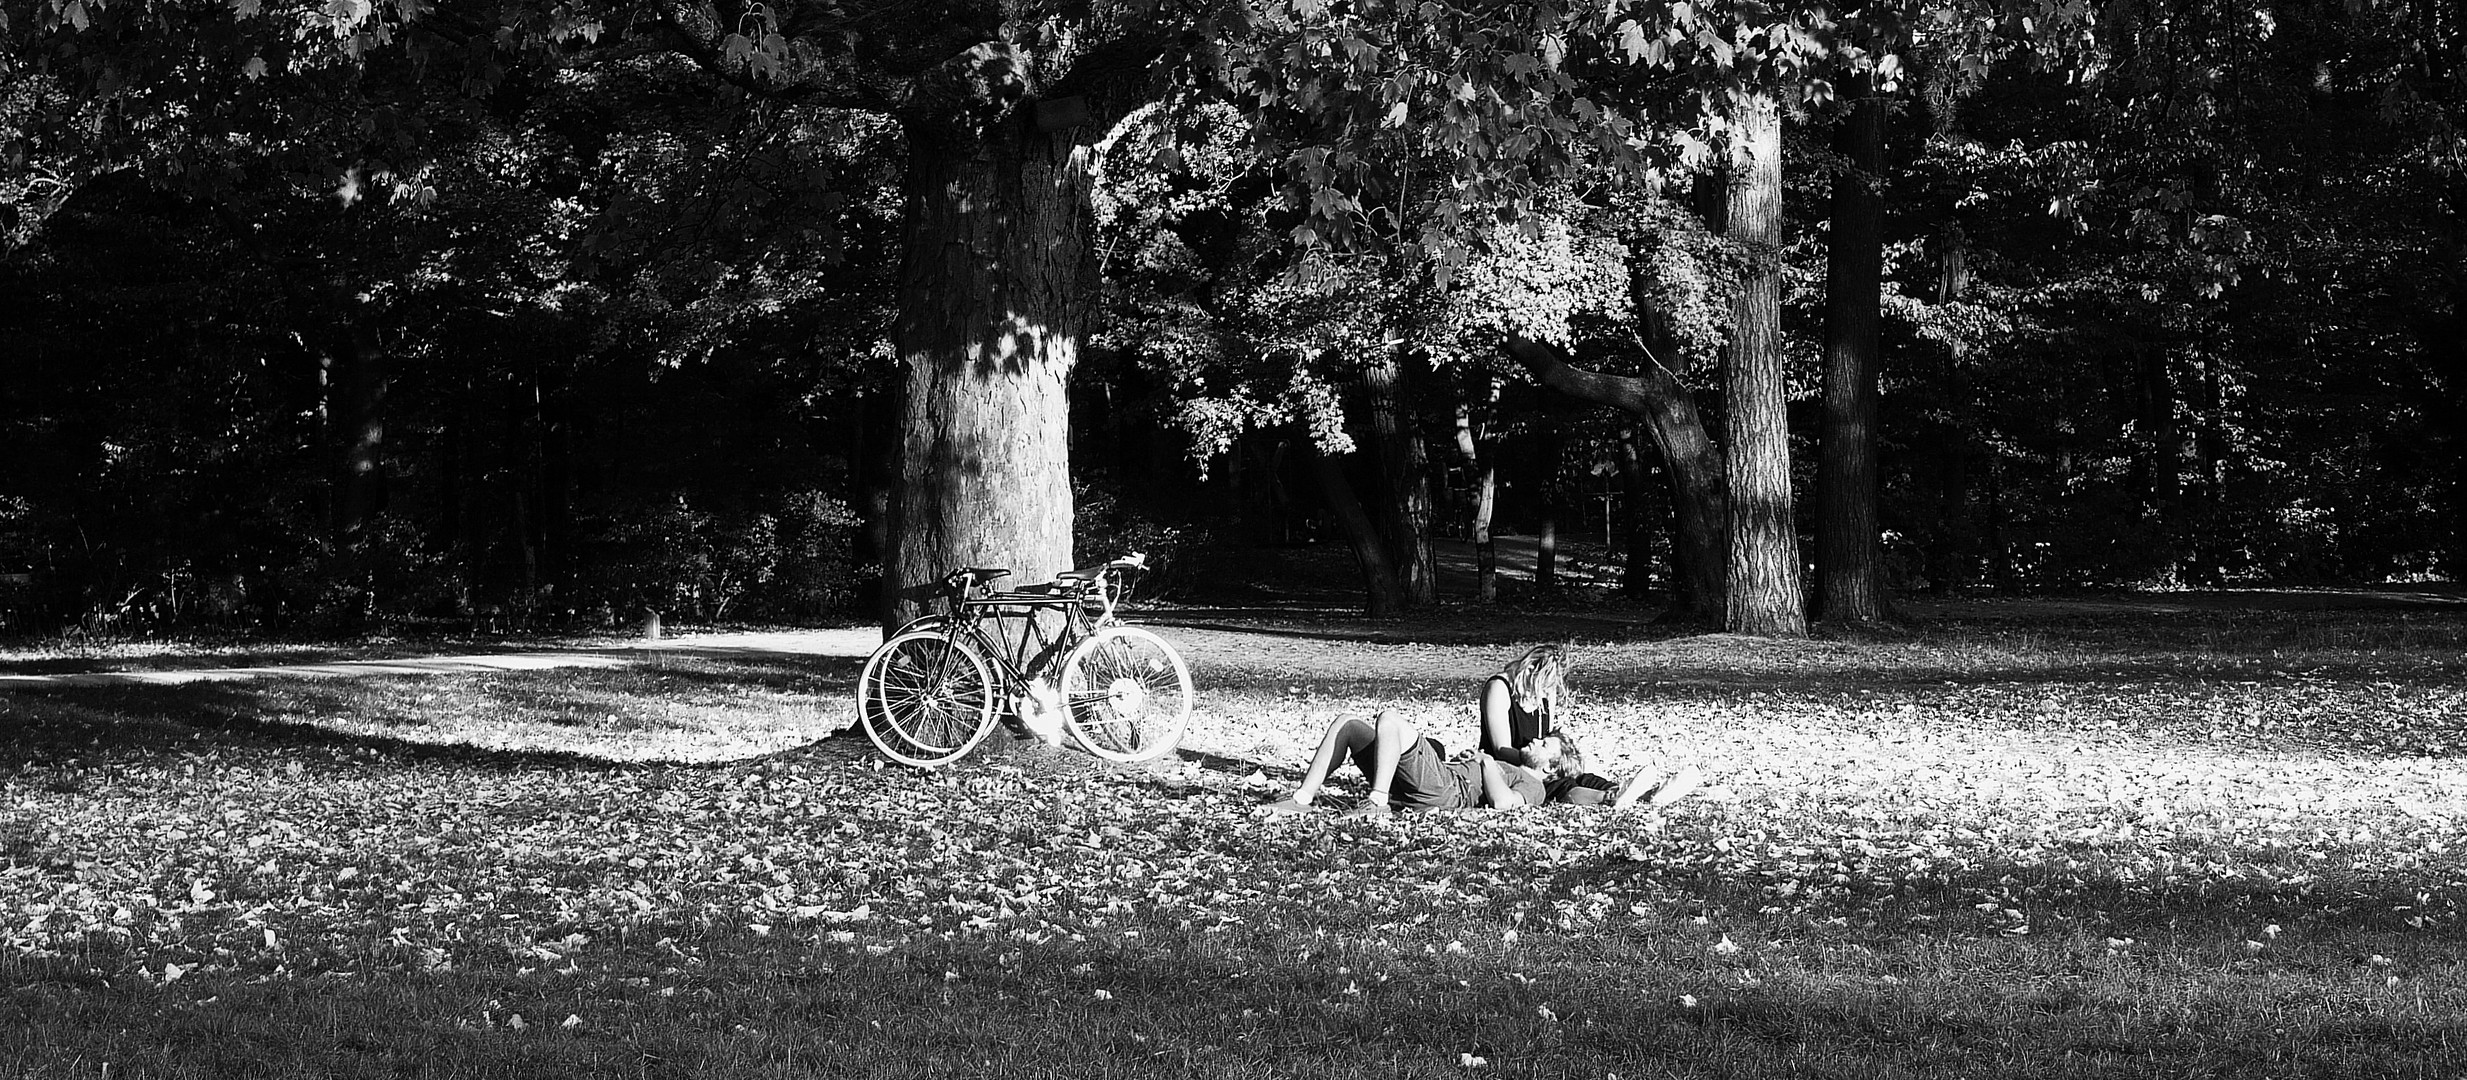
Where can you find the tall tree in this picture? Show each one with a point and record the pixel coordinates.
(1765, 595)
(1404, 466)
(1849, 571)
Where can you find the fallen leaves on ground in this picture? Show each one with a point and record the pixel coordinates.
(2129, 811)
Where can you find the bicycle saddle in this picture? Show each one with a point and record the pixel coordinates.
(1133, 561)
(970, 577)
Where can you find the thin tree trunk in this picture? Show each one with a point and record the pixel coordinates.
(1999, 539)
(1405, 509)
(1699, 503)
(554, 428)
(1384, 594)
(2157, 464)
(1485, 546)
(1949, 562)
(1485, 469)
(360, 404)
(993, 259)
(1636, 579)
(1849, 565)
(1546, 545)
(2210, 445)
(874, 469)
(1765, 595)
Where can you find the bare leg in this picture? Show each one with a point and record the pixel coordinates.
(1390, 739)
(1343, 738)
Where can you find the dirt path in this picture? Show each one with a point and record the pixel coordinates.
(1256, 647)
(837, 643)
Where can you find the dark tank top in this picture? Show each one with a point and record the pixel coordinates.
(1523, 727)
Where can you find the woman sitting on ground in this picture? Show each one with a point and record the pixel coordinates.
(1519, 712)
(1408, 771)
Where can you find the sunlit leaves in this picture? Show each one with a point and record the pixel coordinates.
(1917, 823)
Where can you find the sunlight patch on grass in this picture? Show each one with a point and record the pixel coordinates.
(2079, 863)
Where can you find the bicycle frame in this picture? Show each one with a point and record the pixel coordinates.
(973, 605)
(1034, 647)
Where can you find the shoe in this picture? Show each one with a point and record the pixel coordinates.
(1285, 808)
(1680, 785)
(1643, 787)
(1371, 809)
(1636, 788)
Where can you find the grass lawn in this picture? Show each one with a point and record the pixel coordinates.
(2212, 843)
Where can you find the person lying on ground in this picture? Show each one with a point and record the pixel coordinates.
(1520, 708)
(1409, 771)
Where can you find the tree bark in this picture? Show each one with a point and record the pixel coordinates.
(1765, 596)
(1404, 466)
(1485, 469)
(1849, 565)
(1384, 593)
(2156, 404)
(1636, 579)
(1699, 504)
(1546, 545)
(994, 254)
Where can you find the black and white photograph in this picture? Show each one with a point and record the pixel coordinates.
(1233, 539)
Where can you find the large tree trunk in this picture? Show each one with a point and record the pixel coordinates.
(1849, 566)
(993, 257)
(1765, 596)
(1384, 593)
(1404, 466)
(1699, 505)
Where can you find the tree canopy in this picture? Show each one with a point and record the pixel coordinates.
(467, 310)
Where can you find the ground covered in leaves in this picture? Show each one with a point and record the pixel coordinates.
(2114, 842)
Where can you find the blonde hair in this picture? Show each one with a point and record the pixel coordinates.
(1568, 764)
(1536, 679)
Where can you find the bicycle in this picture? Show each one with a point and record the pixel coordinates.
(935, 688)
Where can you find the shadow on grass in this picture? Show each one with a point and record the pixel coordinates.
(1245, 1003)
(1499, 627)
(2202, 912)
(74, 725)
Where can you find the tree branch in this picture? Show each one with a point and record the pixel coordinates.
(1636, 394)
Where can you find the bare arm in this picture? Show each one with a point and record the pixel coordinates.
(1497, 792)
(1498, 735)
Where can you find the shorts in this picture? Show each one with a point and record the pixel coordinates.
(1426, 779)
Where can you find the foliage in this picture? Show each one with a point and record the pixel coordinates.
(667, 556)
(2114, 292)
(1110, 524)
(606, 285)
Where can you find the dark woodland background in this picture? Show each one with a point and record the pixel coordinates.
(600, 338)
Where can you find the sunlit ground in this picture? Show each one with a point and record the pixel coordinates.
(2158, 844)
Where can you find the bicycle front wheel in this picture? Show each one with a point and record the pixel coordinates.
(1128, 694)
(925, 699)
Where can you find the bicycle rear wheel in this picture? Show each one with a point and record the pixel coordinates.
(1128, 693)
(925, 699)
